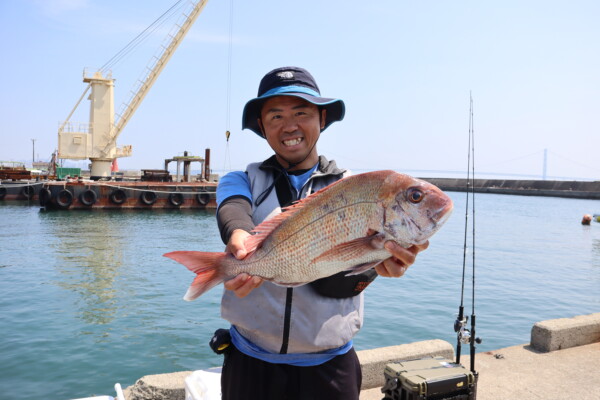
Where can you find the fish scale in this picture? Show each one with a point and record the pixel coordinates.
(341, 227)
(336, 218)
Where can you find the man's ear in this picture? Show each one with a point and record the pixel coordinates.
(323, 118)
(260, 126)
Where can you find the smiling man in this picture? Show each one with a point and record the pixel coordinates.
(290, 343)
(292, 127)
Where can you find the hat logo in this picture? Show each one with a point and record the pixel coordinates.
(285, 74)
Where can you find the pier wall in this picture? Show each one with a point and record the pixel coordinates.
(563, 333)
(568, 189)
(546, 336)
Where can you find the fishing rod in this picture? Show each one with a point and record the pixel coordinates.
(465, 335)
(424, 378)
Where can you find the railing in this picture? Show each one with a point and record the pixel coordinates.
(12, 164)
(105, 74)
(83, 127)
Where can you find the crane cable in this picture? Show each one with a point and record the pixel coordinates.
(153, 27)
(227, 158)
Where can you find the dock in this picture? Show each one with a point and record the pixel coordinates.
(560, 362)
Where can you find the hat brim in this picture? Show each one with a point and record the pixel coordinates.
(335, 109)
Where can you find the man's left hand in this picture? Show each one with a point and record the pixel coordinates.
(401, 259)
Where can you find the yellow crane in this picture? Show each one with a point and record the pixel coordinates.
(98, 141)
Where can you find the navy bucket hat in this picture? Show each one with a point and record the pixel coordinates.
(290, 81)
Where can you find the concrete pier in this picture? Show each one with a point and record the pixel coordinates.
(568, 189)
(560, 362)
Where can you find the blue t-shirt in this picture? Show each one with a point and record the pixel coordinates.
(236, 183)
(297, 359)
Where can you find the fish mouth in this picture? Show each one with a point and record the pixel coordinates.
(441, 215)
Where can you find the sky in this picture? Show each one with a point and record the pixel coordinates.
(405, 70)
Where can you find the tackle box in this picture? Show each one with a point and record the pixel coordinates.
(433, 378)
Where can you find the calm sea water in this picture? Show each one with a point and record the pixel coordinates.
(88, 300)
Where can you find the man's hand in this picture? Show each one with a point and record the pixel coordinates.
(242, 284)
(401, 259)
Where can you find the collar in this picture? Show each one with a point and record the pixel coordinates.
(326, 167)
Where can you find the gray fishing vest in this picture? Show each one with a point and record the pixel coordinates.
(317, 323)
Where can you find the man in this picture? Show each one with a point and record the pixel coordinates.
(290, 343)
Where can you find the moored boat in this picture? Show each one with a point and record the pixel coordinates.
(86, 194)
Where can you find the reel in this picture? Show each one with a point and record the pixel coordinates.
(464, 334)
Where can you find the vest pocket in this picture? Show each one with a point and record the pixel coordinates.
(340, 286)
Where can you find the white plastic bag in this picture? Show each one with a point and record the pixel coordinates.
(203, 385)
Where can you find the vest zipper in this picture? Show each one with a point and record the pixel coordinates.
(287, 318)
(287, 321)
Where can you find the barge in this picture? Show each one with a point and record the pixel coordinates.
(79, 194)
(19, 183)
(154, 189)
(20, 190)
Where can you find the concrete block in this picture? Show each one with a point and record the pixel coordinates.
(159, 387)
(562, 333)
(373, 361)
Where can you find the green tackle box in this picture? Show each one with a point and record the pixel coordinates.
(429, 379)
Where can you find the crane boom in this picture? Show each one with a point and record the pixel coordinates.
(97, 141)
(150, 78)
(160, 64)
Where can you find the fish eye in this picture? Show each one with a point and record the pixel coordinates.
(414, 195)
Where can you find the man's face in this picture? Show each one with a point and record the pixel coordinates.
(292, 126)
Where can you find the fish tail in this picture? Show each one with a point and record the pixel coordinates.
(205, 265)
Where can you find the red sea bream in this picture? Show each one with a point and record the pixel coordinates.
(340, 228)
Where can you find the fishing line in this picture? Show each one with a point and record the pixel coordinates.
(228, 102)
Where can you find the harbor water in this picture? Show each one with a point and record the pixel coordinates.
(88, 300)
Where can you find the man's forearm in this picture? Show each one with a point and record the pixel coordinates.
(234, 213)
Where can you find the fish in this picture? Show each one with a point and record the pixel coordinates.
(342, 227)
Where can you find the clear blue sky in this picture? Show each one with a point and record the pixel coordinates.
(404, 70)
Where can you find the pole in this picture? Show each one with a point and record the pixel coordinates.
(33, 152)
(207, 164)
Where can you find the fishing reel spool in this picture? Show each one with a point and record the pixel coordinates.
(464, 334)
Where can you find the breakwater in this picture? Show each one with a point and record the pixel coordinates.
(568, 189)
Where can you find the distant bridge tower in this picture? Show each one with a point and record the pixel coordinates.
(545, 163)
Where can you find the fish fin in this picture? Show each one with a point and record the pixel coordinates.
(264, 229)
(205, 265)
(359, 269)
(348, 251)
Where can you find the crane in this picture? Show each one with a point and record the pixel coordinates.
(98, 141)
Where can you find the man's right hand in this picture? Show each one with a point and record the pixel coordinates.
(242, 284)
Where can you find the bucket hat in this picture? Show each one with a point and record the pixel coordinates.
(290, 81)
